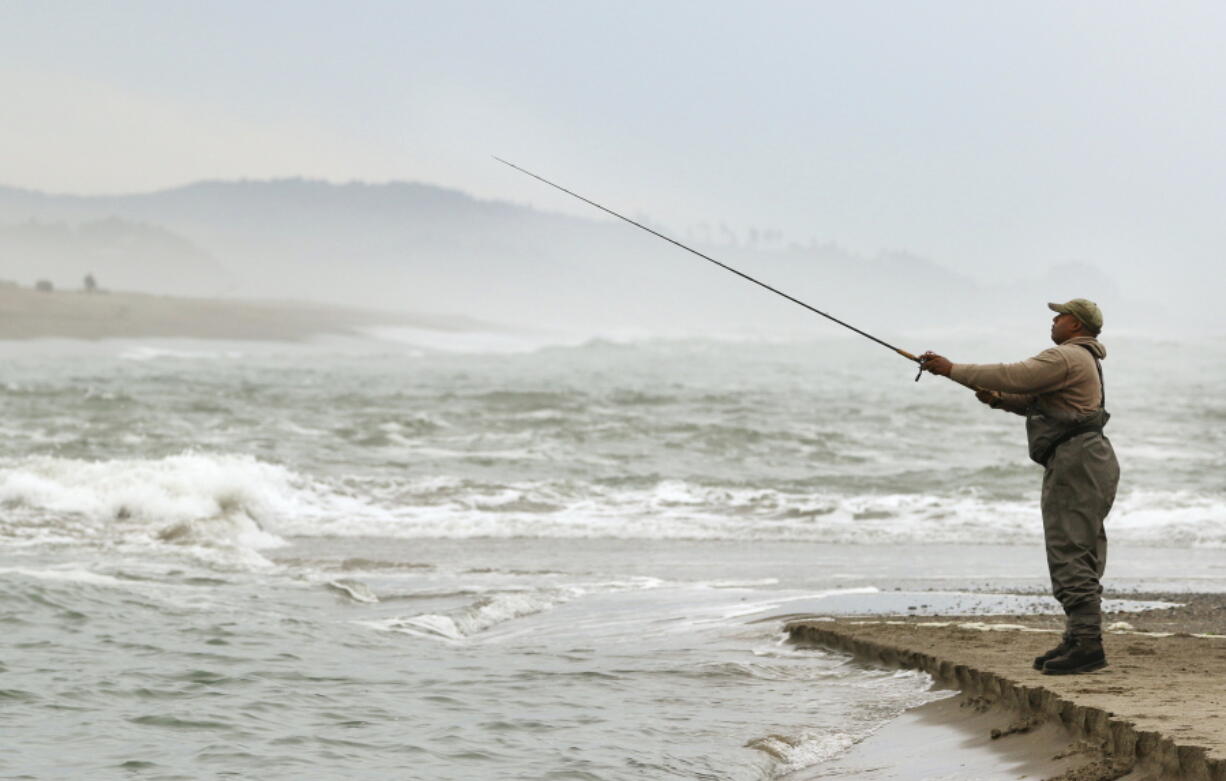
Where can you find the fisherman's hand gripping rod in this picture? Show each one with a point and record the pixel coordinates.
(724, 266)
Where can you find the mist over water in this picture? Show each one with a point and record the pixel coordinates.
(408, 248)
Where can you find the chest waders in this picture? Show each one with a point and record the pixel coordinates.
(1080, 477)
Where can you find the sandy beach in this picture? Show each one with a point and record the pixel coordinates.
(1154, 713)
(31, 314)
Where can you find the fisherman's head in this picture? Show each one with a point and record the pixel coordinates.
(1079, 317)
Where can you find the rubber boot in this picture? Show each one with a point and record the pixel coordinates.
(1085, 656)
(1066, 645)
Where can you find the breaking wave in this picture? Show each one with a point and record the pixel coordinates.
(189, 500)
(238, 501)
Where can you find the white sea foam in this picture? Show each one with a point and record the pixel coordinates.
(523, 340)
(1172, 518)
(354, 589)
(145, 353)
(896, 692)
(800, 751)
(189, 499)
(212, 500)
(493, 609)
(67, 574)
(674, 510)
(477, 616)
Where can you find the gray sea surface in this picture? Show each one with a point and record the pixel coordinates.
(442, 557)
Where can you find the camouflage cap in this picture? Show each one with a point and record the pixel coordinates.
(1084, 310)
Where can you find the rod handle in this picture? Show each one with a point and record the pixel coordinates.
(906, 354)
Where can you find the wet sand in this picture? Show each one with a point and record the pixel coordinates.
(30, 314)
(1157, 711)
(951, 740)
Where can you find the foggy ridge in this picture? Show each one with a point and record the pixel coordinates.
(416, 247)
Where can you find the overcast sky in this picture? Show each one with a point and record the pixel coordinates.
(987, 136)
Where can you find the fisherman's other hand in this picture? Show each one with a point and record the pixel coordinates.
(989, 397)
(937, 364)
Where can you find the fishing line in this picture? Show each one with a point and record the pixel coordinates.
(722, 265)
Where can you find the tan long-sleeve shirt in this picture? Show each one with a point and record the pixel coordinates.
(1064, 379)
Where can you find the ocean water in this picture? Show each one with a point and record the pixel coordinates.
(448, 556)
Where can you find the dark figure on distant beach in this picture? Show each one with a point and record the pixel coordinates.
(1062, 395)
(91, 284)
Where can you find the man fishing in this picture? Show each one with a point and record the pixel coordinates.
(1061, 393)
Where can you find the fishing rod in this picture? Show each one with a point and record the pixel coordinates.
(724, 266)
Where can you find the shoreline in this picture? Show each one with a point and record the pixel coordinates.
(962, 738)
(27, 314)
(1154, 713)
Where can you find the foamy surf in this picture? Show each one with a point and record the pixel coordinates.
(190, 499)
(478, 616)
(239, 501)
(148, 353)
(353, 589)
(896, 692)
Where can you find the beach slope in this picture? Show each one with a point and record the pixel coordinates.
(1157, 711)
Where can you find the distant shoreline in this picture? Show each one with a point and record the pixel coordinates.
(26, 313)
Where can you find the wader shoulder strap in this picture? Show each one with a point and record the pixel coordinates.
(1045, 435)
(1102, 384)
(1084, 428)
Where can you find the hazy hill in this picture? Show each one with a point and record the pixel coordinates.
(419, 247)
(130, 256)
